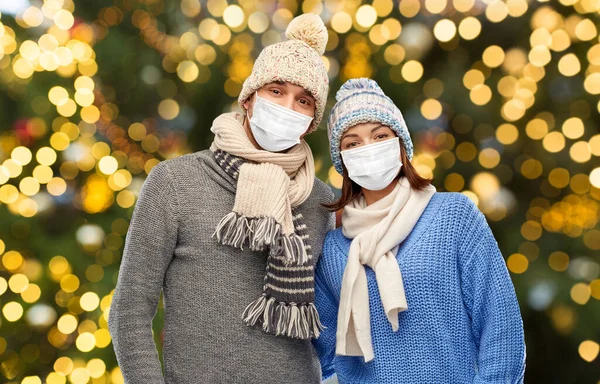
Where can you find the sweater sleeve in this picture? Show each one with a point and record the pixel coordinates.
(149, 247)
(327, 307)
(490, 299)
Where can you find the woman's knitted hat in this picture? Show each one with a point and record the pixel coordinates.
(362, 101)
(297, 60)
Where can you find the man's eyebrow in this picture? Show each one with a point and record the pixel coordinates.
(307, 93)
(304, 91)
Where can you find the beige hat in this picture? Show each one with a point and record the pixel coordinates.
(297, 60)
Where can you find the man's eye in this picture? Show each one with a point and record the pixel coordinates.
(276, 91)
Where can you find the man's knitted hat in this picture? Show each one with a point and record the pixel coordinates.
(297, 60)
(362, 101)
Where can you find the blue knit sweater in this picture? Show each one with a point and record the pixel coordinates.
(463, 323)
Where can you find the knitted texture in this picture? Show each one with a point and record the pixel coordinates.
(286, 306)
(205, 285)
(270, 184)
(375, 230)
(463, 323)
(297, 60)
(362, 101)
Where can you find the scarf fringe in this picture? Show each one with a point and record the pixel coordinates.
(236, 230)
(300, 321)
(292, 248)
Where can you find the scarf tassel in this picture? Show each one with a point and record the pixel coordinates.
(292, 248)
(265, 232)
(232, 230)
(237, 230)
(300, 321)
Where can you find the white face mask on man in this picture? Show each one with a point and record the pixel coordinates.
(277, 128)
(373, 166)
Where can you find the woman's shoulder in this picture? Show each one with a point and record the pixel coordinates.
(335, 237)
(454, 198)
(455, 205)
(333, 258)
(450, 213)
(335, 245)
(460, 215)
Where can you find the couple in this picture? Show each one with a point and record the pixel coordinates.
(258, 287)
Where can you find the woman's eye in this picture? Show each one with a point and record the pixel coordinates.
(350, 145)
(382, 136)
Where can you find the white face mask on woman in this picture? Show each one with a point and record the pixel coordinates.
(373, 166)
(277, 128)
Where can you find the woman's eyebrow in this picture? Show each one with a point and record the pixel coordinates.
(377, 127)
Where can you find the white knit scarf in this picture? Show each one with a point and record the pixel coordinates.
(376, 230)
(269, 185)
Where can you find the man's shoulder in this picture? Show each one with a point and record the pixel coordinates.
(322, 192)
(184, 165)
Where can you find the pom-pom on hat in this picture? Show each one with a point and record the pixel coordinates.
(297, 60)
(362, 101)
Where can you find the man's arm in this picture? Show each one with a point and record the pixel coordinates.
(149, 246)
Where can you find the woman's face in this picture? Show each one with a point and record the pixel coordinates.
(365, 134)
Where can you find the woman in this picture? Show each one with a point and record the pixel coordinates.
(412, 288)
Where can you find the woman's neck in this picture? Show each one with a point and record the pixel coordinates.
(374, 196)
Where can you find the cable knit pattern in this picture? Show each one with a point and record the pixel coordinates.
(205, 285)
(463, 324)
(297, 60)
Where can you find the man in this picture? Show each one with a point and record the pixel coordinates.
(231, 235)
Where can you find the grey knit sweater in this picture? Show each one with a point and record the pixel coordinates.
(205, 285)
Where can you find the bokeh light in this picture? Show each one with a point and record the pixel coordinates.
(501, 99)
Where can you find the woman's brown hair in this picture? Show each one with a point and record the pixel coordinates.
(351, 190)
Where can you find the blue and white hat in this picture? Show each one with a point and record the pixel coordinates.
(362, 101)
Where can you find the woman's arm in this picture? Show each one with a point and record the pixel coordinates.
(328, 309)
(491, 301)
(149, 246)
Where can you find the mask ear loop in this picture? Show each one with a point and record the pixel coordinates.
(246, 115)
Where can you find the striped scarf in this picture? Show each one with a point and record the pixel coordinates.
(286, 305)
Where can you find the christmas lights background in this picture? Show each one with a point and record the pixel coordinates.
(501, 97)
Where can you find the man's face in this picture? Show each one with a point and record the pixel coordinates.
(287, 95)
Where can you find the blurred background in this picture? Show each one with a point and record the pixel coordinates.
(500, 96)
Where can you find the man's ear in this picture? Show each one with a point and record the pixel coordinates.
(248, 103)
